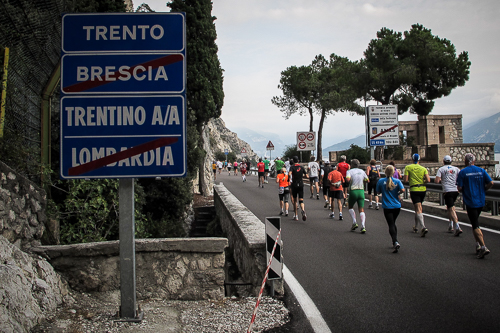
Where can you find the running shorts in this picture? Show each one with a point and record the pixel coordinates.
(449, 199)
(357, 196)
(284, 197)
(417, 196)
(261, 174)
(372, 186)
(336, 194)
(313, 180)
(297, 191)
(325, 190)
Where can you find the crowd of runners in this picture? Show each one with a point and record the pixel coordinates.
(343, 185)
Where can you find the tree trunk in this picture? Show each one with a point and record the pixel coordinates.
(310, 119)
(319, 155)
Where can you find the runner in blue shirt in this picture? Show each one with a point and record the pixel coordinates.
(473, 182)
(390, 188)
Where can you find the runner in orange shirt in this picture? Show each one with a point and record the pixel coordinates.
(283, 191)
(336, 190)
(342, 167)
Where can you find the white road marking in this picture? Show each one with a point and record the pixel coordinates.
(311, 311)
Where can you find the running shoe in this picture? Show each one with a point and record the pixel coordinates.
(345, 204)
(326, 204)
(354, 226)
(483, 252)
(317, 196)
(281, 213)
(286, 213)
(262, 186)
(478, 248)
(295, 217)
(304, 217)
(376, 207)
(340, 217)
(332, 215)
(370, 206)
(396, 247)
(423, 232)
(458, 232)
(415, 230)
(450, 229)
(363, 230)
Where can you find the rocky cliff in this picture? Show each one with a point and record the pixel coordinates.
(218, 137)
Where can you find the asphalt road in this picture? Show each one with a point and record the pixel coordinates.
(434, 284)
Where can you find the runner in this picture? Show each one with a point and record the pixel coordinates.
(279, 164)
(356, 179)
(397, 173)
(266, 169)
(343, 166)
(235, 166)
(249, 165)
(214, 169)
(229, 165)
(313, 167)
(326, 183)
(336, 192)
(288, 162)
(296, 175)
(447, 175)
(243, 170)
(260, 170)
(219, 166)
(473, 182)
(390, 187)
(283, 190)
(373, 173)
(417, 176)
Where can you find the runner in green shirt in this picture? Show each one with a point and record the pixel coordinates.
(266, 169)
(417, 176)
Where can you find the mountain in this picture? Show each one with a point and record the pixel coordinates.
(485, 130)
(344, 145)
(259, 141)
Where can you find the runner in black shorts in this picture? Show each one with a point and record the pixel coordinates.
(297, 173)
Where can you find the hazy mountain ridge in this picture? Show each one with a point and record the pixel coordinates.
(484, 130)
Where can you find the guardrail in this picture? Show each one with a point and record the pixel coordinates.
(493, 194)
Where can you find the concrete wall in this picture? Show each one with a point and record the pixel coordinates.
(173, 268)
(247, 238)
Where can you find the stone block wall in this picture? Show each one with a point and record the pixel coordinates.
(173, 268)
(247, 238)
(22, 209)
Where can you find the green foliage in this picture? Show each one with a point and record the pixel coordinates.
(411, 69)
(291, 150)
(89, 211)
(397, 152)
(356, 152)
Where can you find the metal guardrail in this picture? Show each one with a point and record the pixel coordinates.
(493, 194)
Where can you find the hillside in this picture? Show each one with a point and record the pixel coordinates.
(485, 130)
(358, 141)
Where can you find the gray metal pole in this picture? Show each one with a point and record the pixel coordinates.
(127, 249)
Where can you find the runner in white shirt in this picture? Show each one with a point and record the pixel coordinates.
(314, 177)
(447, 175)
(357, 179)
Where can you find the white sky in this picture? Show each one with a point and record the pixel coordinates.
(258, 39)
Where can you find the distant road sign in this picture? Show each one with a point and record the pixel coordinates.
(382, 125)
(123, 32)
(270, 146)
(306, 141)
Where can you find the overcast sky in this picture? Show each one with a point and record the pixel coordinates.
(258, 39)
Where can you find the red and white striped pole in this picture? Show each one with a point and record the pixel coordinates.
(263, 283)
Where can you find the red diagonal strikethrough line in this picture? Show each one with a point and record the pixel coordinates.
(86, 85)
(387, 130)
(96, 164)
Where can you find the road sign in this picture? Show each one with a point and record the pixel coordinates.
(123, 32)
(273, 226)
(111, 73)
(123, 95)
(306, 141)
(148, 131)
(382, 125)
(270, 146)
(243, 152)
(226, 151)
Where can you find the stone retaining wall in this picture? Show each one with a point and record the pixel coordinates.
(172, 268)
(22, 209)
(247, 238)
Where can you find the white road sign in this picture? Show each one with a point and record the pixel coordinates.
(382, 125)
(306, 141)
